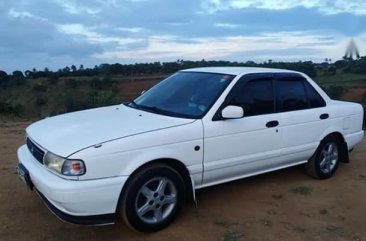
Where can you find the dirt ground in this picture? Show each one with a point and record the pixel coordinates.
(283, 205)
(354, 94)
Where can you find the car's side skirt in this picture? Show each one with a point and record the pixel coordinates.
(249, 175)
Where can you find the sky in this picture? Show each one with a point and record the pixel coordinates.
(58, 33)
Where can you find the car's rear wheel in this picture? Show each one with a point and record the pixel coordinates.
(152, 199)
(326, 159)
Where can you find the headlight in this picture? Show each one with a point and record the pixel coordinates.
(53, 162)
(64, 166)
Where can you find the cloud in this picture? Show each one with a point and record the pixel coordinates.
(357, 7)
(79, 7)
(28, 37)
(131, 30)
(54, 33)
(227, 25)
(278, 46)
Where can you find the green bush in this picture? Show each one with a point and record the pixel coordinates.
(72, 83)
(106, 83)
(8, 107)
(39, 87)
(40, 101)
(102, 98)
(334, 92)
(72, 103)
(53, 79)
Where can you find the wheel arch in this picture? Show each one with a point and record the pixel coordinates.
(177, 166)
(344, 147)
(183, 171)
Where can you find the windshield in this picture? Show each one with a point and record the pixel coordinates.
(184, 94)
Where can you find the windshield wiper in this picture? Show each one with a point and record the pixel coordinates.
(133, 104)
(158, 110)
(154, 109)
(151, 108)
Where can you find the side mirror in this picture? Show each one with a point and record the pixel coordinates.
(232, 112)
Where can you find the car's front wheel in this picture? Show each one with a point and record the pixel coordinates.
(152, 198)
(326, 159)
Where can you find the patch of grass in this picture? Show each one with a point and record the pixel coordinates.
(271, 212)
(299, 229)
(222, 223)
(334, 92)
(302, 190)
(333, 228)
(277, 196)
(266, 223)
(226, 224)
(323, 212)
(342, 79)
(232, 234)
(356, 238)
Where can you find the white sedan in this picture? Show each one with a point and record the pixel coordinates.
(141, 160)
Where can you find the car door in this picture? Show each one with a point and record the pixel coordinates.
(303, 114)
(235, 148)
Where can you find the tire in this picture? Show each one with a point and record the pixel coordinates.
(325, 161)
(152, 198)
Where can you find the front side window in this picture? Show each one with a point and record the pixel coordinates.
(255, 97)
(184, 94)
(291, 95)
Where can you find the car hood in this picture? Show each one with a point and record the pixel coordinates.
(69, 133)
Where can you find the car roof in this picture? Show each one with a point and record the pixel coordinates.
(238, 70)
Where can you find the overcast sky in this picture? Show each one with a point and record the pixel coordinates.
(56, 33)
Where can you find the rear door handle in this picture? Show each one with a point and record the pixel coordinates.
(324, 116)
(272, 124)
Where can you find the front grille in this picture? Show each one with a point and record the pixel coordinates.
(35, 150)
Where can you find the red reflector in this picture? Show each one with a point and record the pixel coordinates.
(75, 166)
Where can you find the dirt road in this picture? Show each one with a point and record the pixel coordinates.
(283, 205)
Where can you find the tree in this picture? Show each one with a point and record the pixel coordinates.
(17, 77)
(3, 78)
(340, 64)
(332, 70)
(73, 68)
(28, 74)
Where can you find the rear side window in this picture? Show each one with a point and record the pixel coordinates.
(255, 97)
(314, 97)
(291, 94)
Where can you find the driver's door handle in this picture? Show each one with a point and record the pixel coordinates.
(273, 123)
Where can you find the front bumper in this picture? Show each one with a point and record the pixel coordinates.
(102, 219)
(91, 202)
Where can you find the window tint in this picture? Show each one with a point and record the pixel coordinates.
(314, 97)
(291, 94)
(255, 97)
